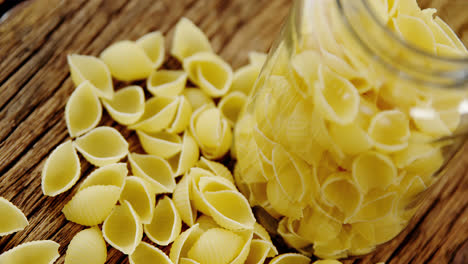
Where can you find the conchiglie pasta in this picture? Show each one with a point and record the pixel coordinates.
(217, 168)
(376, 209)
(147, 254)
(87, 246)
(61, 170)
(12, 220)
(39, 252)
(183, 243)
(259, 250)
(153, 46)
(187, 157)
(317, 226)
(166, 82)
(188, 40)
(197, 98)
(187, 261)
(389, 130)
(122, 229)
(416, 32)
(290, 258)
(91, 205)
(102, 146)
(113, 175)
(373, 170)
(158, 115)
(231, 105)
(244, 79)
(257, 58)
(351, 138)
(276, 198)
(205, 222)
(452, 35)
(182, 117)
(166, 223)
(287, 231)
(161, 144)
(182, 201)
(155, 170)
(137, 192)
(127, 105)
(83, 110)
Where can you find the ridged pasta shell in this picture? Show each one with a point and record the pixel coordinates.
(206, 222)
(244, 78)
(87, 246)
(335, 248)
(159, 114)
(351, 138)
(83, 110)
(430, 122)
(197, 98)
(306, 67)
(376, 209)
(188, 156)
(195, 175)
(166, 224)
(259, 250)
(279, 201)
(231, 106)
(153, 46)
(102, 146)
(389, 130)
(188, 40)
(155, 170)
(113, 175)
(290, 258)
(88, 68)
(290, 236)
(122, 229)
(137, 192)
(127, 105)
(61, 170)
(414, 31)
(92, 205)
(38, 252)
(15, 219)
(127, 61)
(182, 118)
(373, 170)
(182, 201)
(316, 226)
(183, 243)
(217, 168)
(211, 73)
(244, 253)
(166, 82)
(257, 58)
(161, 144)
(147, 254)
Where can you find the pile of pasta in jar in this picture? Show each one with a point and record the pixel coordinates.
(334, 145)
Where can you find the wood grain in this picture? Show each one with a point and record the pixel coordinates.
(36, 36)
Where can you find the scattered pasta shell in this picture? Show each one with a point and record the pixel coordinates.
(188, 40)
(112, 175)
(166, 224)
(259, 250)
(231, 106)
(166, 82)
(61, 170)
(188, 156)
(122, 229)
(155, 170)
(244, 79)
(373, 170)
(127, 106)
(183, 243)
(244, 253)
(217, 168)
(158, 115)
(92, 205)
(197, 98)
(83, 110)
(389, 130)
(153, 45)
(290, 258)
(12, 220)
(147, 254)
(196, 175)
(39, 252)
(137, 192)
(87, 246)
(161, 144)
(102, 146)
(88, 68)
(182, 201)
(127, 61)
(182, 118)
(211, 73)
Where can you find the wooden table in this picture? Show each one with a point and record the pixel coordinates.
(36, 36)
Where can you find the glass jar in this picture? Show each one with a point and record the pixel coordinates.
(357, 110)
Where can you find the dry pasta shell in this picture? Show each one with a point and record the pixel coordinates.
(137, 192)
(290, 236)
(264, 143)
(61, 170)
(247, 237)
(187, 157)
(187, 261)
(159, 114)
(351, 138)
(290, 258)
(452, 35)
(188, 40)
(206, 222)
(127, 106)
(127, 61)
(244, 79)
(83, 110)
(166, 82)
(257, 58)
(217, 168)
(161, 144)
(182, 201)
(13, 219)
(155, 170)
(88, 68)
(113, 175)
(39, 252)
(211, 73)
(87, 246)
(183, 243)
(197, 98)
(416, 32)
(231, 106)
(195, 175)
(430, 122)
(102, 146)
(92, 205)
(279, 201)
(122, 229)
(316, 226)
(373, 170)
(389, 130)
(166, 224)
(146, 254)
(182, 118)
(335, 248)
(153, 45)
(213, 133)
(376, 209)
(306, 68)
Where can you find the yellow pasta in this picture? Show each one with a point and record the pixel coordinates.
(12, 220)
(217, 168)
(91, 205)
(182, 118)
(351, 138)
(376, 209)
(416, 32)
(153, 45)
(429, 121)
(205, 222)
(147, 254)
(290, 258)
(38, 252)
(155, 170)
(83, 110)
(161, 144)
(188, 40)
(137, 192)
(452, 35)
(166, 224)
(113, 175)
(306, 67)
(127, 105)
(102, 146)
(87, 246)
(183, 243)
(335, 248)
(166, 82)
(197, 98)
(287, 231)
(244, 78)
(257, 58)
(182, 201)
(187, 261)
(231, 105)
(389, 130)
(188, 156)
(328, 261)
(317, 226)
(373, 170)
(158, 115)
(89, 68)
(122, 229)
(61, 170)
(275, 196)
(127, 61)
(244, 253)
(211, 73)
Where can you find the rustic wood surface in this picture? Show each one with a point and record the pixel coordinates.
(36, 36)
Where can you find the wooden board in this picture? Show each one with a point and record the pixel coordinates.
(36, 36)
